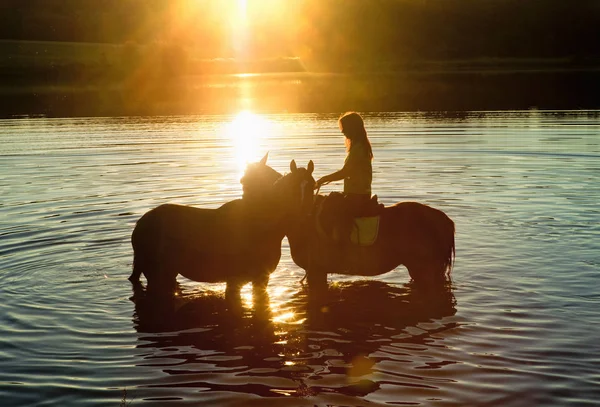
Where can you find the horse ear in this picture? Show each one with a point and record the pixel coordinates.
(293, 166)
(311, 167)
(263, 160)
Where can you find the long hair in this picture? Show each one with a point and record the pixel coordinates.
(353, 127)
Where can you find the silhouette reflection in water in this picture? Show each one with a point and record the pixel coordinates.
(333, 346)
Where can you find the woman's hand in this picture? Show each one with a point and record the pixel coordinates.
(322, 181)
(334, 176)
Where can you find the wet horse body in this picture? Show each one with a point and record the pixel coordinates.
(237, 243)
(410, 233)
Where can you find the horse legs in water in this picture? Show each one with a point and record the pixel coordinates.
(260, 283)
(259, 292)
(140, 265)
(161, 279)
(136, 273)
(426, 273)
(316, 280)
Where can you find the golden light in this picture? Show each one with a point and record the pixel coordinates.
(248, 132)
(242, 9)
(287, 317)
(246, 296)
(239, 27)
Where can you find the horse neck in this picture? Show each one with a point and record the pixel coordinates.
(269, 211)
(300, 231)
(266, 206)
(277, 202)
(258, 182)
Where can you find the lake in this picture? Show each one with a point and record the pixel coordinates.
(519, 327)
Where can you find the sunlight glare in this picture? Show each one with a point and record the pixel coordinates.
(247, 132)
(239, 26)
(242, 9)
(287, 317)
(246, 295)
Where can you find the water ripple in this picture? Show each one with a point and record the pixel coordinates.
(518, 327)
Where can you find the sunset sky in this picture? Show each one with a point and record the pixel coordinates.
(159, 52)
(244, 28)
(333, 32)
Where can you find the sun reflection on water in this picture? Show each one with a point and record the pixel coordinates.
(288, 318)
(246, 296)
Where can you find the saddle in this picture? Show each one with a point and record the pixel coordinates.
(340, 221)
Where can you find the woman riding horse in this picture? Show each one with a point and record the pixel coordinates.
(410, 233)
(357, 174)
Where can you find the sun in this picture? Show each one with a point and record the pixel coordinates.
(242, 8)
(249, 132)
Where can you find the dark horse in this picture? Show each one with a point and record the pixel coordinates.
(236, 243)
(410, 233)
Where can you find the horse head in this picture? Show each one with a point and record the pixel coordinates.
(258, 179)
(292, 191)
(295, 189)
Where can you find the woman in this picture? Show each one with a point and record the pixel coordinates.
(357, 172)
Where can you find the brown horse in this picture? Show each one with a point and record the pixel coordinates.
(411, 234)
(236, 243)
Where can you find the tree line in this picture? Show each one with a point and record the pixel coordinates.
(333, 34)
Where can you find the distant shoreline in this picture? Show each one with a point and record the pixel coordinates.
(468, 88)
(61, 79)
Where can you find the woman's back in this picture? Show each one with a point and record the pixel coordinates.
(360, 173)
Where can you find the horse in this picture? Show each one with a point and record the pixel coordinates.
(237, 243)
(412, 234)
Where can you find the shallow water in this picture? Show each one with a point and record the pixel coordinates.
(520, 326)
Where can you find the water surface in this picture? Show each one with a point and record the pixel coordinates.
(519, 326)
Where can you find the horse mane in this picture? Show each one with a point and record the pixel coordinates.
(258, 179)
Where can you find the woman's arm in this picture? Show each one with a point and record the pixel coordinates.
(334, 176)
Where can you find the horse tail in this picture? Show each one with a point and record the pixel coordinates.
(443, 229)
(446, 236)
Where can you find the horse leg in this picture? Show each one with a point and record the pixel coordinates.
(414, 272)
(163, 284)
(260, 296)
(138, 269)
(317, 280)
(233, 297)
(161, 277)
(260, 283)
(232, 290)
(426, 274)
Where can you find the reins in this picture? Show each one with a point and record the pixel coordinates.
(318, 189)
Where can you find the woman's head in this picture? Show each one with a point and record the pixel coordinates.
(353, 127)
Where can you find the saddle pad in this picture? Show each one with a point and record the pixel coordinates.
(365, 230)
